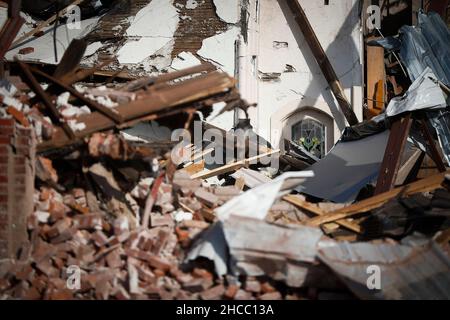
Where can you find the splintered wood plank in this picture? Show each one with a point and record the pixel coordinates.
(161, 100)
(296, 201)
(232, 166)
(424, 185)
(392, 156)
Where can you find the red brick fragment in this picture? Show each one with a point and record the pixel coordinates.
(26, 50)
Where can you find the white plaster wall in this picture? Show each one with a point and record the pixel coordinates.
(337, 26)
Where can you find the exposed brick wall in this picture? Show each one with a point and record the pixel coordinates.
(17, 158)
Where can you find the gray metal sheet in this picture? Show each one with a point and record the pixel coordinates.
(347, 169)
(420, 272)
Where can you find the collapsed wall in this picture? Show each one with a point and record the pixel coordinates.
(17, 158)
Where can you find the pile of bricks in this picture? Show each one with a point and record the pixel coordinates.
(75, 252)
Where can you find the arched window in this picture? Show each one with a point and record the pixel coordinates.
(310, 134)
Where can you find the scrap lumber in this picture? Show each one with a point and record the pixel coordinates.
(233, 166)
(47, 22)
(424, 185)
(323, 61)
(117, 118)
(11, 27)
(162, 101)
(392, 156)
(432, 145)
(83, 73)
(71, 59)
(144, 82)
(54, 113)
(397, 140)
(319, 212)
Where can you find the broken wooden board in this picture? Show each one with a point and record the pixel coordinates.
(424, 185)
(233, 166)
(164, 99)
(296, 201)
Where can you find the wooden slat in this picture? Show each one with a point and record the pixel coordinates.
(424, 185)
(90, 103)
(392, 156)
(232, 166)
(323, 61)
(43, 96)
(296, 201)
(163, 100)
(376, 77)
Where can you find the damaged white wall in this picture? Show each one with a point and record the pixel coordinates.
(272, 47)
(277, 49)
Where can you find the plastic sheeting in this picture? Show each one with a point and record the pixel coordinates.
(424, 93)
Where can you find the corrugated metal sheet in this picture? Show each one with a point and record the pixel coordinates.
(419, 273)
(426, 46)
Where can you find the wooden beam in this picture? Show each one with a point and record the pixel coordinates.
(71, 59)
(45, 23)
(433, 150)
(185, 94)
(117, 118)
(296, 201)
(392, 156)
(232, 166)
(424, 185)
(36, 87)
(11, 27)
(323, 61)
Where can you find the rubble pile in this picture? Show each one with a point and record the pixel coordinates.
(118, 188)
(120, 253)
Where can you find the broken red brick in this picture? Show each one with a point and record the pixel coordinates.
(26, 50)
(89, 221)
(253, 286)
(214, 293)
(208, 198)
(99, 238)
(231, 291)
(59, 227)
(198, 285)
(271, 296)
(113, 259)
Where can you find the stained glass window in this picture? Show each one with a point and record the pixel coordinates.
(310, 134)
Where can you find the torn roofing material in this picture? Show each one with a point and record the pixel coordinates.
(406, 272)
(348, 168)
(424, 93)
(286, 253)
(423, 47)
